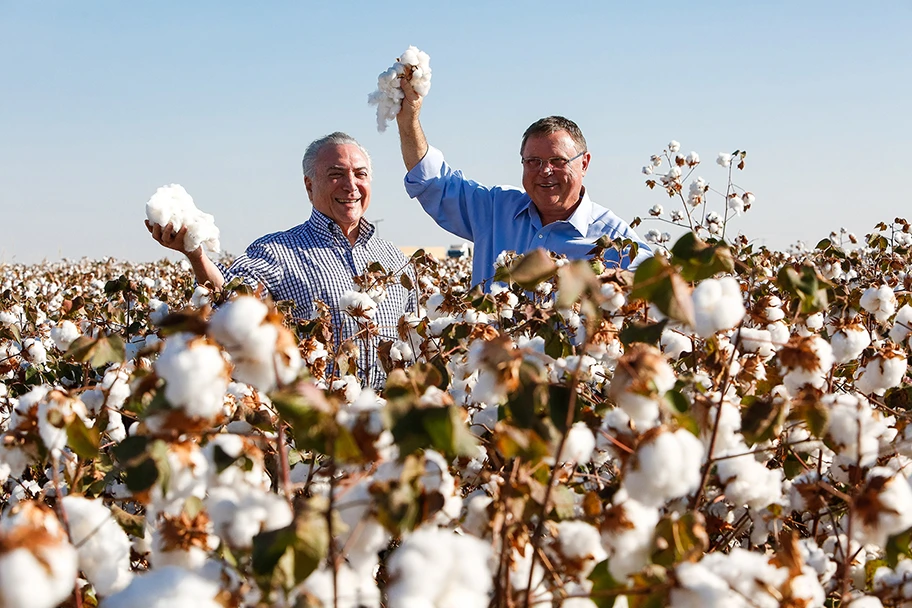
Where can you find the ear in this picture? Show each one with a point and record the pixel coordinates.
(308, 184)
(586, 158)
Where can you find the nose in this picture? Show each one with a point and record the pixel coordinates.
(348, 182)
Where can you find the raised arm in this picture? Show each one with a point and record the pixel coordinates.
(206, 272)
(411, 136)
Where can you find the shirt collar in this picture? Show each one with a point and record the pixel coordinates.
(327, 228)
(580, 219)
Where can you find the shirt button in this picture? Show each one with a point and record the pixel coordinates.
(541, 236)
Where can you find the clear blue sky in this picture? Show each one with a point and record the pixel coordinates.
(103, 101)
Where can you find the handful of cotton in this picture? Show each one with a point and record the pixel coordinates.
(414, 65)
(173, 205)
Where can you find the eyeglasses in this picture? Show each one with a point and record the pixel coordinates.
(557, 162)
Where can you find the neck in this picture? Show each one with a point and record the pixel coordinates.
(351, 232)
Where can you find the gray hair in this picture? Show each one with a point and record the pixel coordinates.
(308, 163)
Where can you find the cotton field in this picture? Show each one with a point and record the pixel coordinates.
(726, 426)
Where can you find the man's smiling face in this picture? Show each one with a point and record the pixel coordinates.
(555, 191)
(340, 187)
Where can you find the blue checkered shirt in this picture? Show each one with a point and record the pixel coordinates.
(315, 261)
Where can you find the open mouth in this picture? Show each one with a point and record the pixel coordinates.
(348, 201)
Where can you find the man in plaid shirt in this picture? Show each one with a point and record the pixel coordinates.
(316, 260)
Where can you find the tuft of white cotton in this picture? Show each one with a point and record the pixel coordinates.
(435, 567)
(264, 354)
(641, 379)
(885, 370)
(885, 507)
(718, 305)
(579, 444)
(103, 546)
(665, 466)
(880, 302)
(195, 373)
(902, 325)
(358, 305)
(38, 565)
(580, 542)
(627, 536)
(167, 587)
(173, 205)
(739, 579)
(414, 64)
(852, 429)
(64, 334)
(848, 342)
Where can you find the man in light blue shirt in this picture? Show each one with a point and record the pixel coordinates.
(553, 211)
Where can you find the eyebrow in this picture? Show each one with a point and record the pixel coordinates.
(341, 168)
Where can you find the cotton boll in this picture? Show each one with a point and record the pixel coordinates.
(880, 302)
(580, 543)
(167, 587)
(195, 373)
(64, 334)
(263, 352)
(358, 305)
(627, 535)
(38, 565)
(884, 507)
(852, 430)
(805, 361)
(579, 444)
(718, 305)
(435, 567)
(103, 546)
(674, 343)
(849, 341)
(641, 378)
(902, 325)
(665, 466)
(884, 371)
(173, 205)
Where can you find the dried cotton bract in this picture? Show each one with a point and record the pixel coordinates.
(173, 205)
(413, 64)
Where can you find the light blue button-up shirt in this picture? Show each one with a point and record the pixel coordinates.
(503, 218)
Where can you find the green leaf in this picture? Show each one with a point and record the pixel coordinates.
(563, 502)
(82, 439)
(810, 289)
(898, 545)
(647, 333)
(531, 269)
(761, 418)
(700, 260)
(573, 280)
(438, 428)
(134, 525)
(679, 538)
(656, 281)
(602, 581)
(677, 401)
(97, 351)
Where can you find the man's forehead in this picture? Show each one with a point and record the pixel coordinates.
(550, 141)
(341, 156)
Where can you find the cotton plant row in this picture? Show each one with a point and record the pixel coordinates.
(722, 427)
